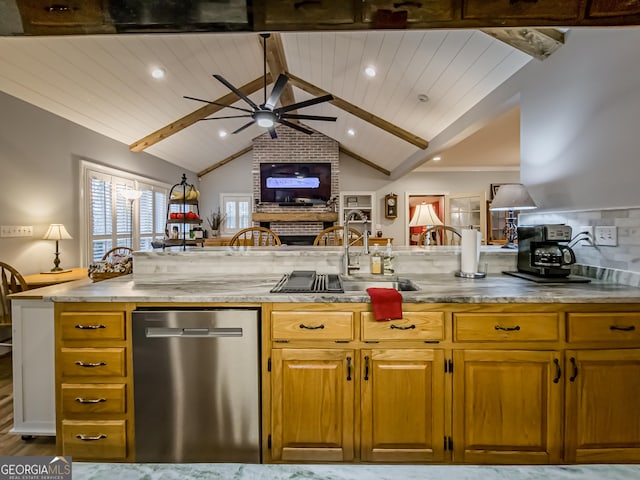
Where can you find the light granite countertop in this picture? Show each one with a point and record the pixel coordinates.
(433, 288)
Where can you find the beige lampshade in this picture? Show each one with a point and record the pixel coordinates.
(512, 197)
(57, 232)
(424, 215)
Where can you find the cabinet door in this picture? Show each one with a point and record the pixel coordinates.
(507, 406)
(313, 404)
(402, 405)
(603, 419)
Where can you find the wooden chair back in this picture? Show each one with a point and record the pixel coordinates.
(440, 235)
(332, 236)
(255, 237)
(11, 282)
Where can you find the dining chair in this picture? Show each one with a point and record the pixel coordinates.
(255, 237)
(115, 252)
(440, 235)
(12, 282)
(332, 236)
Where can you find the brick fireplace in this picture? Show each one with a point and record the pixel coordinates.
(295, 225)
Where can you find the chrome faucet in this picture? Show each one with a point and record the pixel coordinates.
(349, 216)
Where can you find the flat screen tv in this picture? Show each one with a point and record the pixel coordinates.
(293, 183)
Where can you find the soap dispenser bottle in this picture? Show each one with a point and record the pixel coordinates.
(376, 261)
(387, 260)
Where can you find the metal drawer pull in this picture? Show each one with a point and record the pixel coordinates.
(319, 327)
(572, 378)
(90, 327)
(556, 362)
(90, 400)
(88, 438)
(397, 327)
(90, 365)
(348, 369)
(508, 329)
(407, 4)
(630, 328)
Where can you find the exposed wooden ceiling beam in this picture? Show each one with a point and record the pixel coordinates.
(199, 114)
(277, 63)
(357, 157)
(360, 113)
(225, 161)
(537, 42)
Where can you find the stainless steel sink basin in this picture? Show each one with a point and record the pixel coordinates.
(400, 284)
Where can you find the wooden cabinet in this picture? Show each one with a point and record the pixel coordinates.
(309, 12)
(602, 387)
(312, 410)
(507, 406)
(416, 12)
(524, 9)
(403, 405)
(93, 388)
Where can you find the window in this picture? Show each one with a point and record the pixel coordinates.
(113, 220)
(237, 208)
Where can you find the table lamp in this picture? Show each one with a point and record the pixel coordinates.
(425, 216)
(57, 232)
(511, 197)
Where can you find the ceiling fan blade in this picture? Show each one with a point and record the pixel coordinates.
(295, 127)
(235, 90)
(306, 103)
(272, 132)
(308, 117)
(216, 103)
(222, 118)
(246, 125)
(278, 88)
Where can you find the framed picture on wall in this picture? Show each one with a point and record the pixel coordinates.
(496, 186)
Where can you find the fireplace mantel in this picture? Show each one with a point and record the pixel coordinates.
(263, 217)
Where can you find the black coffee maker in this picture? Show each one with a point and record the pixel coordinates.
(542, 250)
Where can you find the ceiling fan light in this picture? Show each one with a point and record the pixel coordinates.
(264, 119)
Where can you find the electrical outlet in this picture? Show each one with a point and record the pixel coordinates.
(607, 236)
(16, 231)
(587, 231)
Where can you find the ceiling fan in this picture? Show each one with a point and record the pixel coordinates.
(266, 115)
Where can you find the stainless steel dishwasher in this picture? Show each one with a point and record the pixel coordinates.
(197, 384)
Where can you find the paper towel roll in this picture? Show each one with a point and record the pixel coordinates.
(470, 255)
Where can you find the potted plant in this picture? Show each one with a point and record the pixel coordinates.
(215, 221)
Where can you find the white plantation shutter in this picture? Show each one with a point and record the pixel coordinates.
(237, 208)
(116, 221)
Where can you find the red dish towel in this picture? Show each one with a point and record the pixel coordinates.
(386, 303)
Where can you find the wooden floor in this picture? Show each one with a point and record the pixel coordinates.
(13, 445)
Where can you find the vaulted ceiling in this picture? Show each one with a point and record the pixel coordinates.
(104, 84)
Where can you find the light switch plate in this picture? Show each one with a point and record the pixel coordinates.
(607, 236)
(16, 231)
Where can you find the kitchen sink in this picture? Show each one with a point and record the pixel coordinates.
(357, 285)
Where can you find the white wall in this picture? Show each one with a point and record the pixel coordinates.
(579, 122)
(39, 184)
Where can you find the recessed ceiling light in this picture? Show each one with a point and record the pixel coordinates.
(158, 73)
(222, 133)
(370, 71)
(436, 159)
(351, 132)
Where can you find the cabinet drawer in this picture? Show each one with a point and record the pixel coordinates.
(551, 9)
(88, 362)
(92, 325)
(604, 327)
(94, 439)
(93, 398)
(323, 12)
(412, 326)
(501, 327)
(312, 325)
(424, 11)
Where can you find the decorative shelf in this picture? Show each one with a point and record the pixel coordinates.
(295, 217)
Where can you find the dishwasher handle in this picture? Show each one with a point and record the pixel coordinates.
(168, 332)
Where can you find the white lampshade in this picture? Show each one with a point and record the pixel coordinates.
(131, 194)
(512, 197)
(57, 232)
(424, 215)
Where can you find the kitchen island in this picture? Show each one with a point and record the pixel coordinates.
(496, 370)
